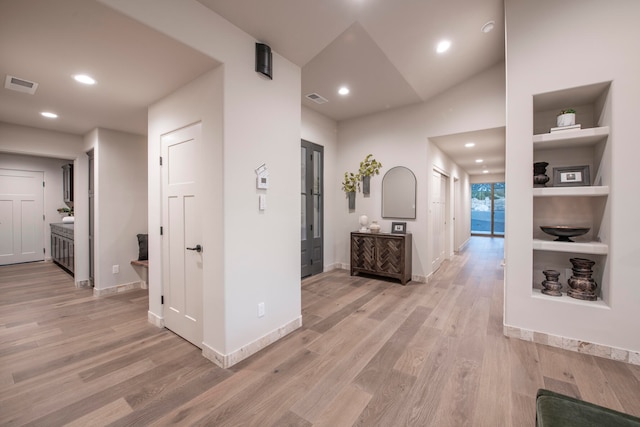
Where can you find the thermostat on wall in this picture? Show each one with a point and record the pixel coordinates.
(262, 179)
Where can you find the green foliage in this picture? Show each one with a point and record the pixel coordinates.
(351, 182)
(567, 111)
(369, 166)
(65, 211)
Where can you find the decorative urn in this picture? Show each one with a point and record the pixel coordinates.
(540, 177)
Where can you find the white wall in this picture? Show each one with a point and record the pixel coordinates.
(199, 101)
(257, 121)
(484, 178)
(121, 206)
(81, 203)
(602, 44)
(323, 131)
(38, 142)
(53, 199)
(401, 138)
(123, 189)
(58, 145)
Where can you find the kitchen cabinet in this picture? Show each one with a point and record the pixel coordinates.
(62, 246)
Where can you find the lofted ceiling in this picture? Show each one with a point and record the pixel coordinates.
(383, 50)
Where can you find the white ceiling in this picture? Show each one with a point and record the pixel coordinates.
(489, 147)
(383, 50)
(48, 41)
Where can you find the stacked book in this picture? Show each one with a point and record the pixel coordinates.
(561, 128)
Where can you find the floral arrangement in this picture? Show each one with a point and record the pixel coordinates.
(351, 182)
(369, 166)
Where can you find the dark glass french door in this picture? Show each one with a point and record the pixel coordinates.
(311, 188)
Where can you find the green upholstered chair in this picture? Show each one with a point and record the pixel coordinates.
(557, 410)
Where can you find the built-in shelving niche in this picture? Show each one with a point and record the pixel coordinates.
(575, 206)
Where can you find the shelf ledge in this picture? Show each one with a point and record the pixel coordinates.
(566, 299)
(593, 248)
(586, 191)
(571, 138)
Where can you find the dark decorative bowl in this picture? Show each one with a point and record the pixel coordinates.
(563, 232)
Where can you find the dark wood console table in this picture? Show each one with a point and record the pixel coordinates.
(382, 254)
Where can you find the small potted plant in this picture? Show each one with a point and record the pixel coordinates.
(368, 167)
(350, 184)
(65, 211)
(566, 117)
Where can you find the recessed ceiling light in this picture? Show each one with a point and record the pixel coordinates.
(343, 90)
(479, 160)
(486, 28)
(49, 115)
(84, 79)
(443, 46)
(485, 171)
(470, 144)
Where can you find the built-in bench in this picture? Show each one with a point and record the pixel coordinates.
(140, 263)
(145, 273)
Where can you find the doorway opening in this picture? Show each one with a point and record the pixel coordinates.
(312, 207)
(487, 209)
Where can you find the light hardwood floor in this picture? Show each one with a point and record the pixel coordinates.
(371, 353)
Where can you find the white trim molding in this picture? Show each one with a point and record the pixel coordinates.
(571, 344)
(118, 289)
(155, 320)
(228, 360)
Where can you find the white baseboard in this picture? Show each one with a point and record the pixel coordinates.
(420, 279)
(117, 289)
(330, 267)
(155, 320)
(571, 344)
(228, 360)
(463, 245)
(83, 284)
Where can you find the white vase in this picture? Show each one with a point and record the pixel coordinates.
(567, 119)
(364, 221)
(374, 227)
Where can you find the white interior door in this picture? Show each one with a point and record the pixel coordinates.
(438, 210)
(21, 216)
(182, 253)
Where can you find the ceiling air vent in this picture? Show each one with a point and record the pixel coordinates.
(317, 98)
(20, 85)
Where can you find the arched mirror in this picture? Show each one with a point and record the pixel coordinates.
(399, 193)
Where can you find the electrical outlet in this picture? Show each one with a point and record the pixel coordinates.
(261, 309)
(115, 269)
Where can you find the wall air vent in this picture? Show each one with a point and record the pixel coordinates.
(317, 98)
(20, 85)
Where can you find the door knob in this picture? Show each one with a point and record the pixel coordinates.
(198, 248)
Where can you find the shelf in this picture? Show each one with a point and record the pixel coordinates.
(566, 299)
(570, 138)
(586, 191)
(592, 248)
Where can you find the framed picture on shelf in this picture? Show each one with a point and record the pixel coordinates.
(399, 227)
(571, 176)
